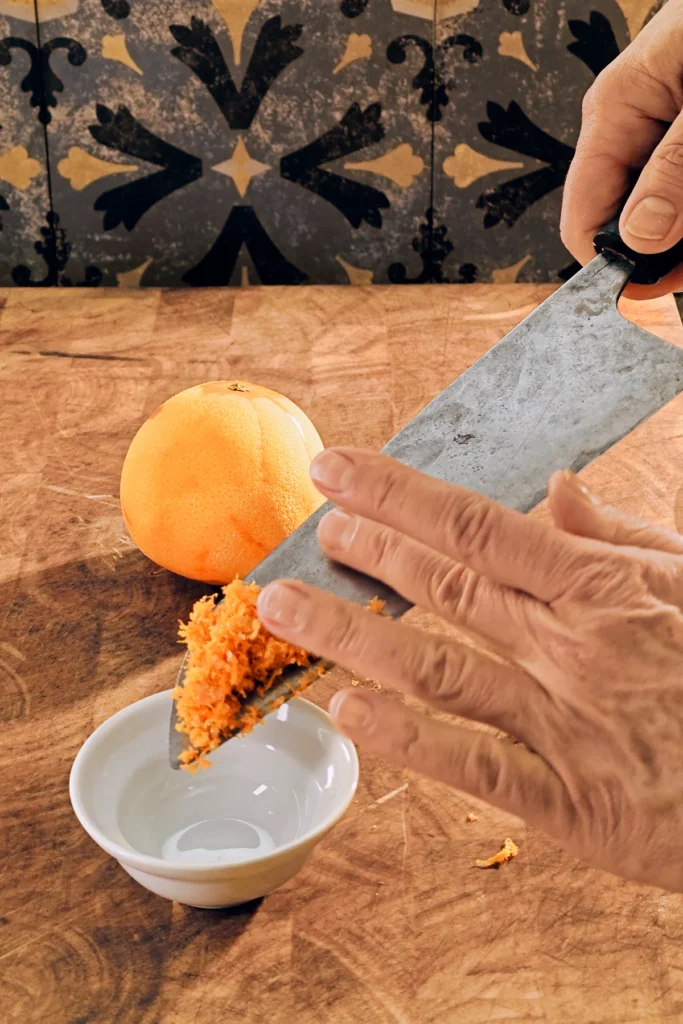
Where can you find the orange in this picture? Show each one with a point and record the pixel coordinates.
(217, 477)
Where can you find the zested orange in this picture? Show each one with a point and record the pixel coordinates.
(217, 477)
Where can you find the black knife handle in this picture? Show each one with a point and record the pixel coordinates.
(647, 269)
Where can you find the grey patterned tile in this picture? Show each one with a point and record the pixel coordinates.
(24, 200)
(504, 141)
(309, 160)
(238, 141)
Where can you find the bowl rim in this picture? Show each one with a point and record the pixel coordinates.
(194, 872)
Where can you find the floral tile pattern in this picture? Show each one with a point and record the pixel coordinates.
(24, 194)
(217, 142)
(505, 139)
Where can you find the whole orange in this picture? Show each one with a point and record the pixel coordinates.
(217, 477)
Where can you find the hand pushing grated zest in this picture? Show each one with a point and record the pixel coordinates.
(230, 655)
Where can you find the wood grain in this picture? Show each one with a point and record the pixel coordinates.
(390, 923)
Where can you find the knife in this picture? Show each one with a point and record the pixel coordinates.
(566, 384)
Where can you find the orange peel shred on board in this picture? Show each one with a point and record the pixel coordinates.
(507, 852)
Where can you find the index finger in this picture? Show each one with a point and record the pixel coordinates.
(500, 543)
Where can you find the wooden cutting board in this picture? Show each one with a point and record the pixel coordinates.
(390, 923)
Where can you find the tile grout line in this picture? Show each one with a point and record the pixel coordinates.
(432, 144)
(45, 131)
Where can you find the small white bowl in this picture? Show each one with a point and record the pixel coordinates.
(223, 836)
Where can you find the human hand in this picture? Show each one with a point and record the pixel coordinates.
(582, 626)
(632, 120)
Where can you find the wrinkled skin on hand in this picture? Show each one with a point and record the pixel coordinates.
(632, 125)
(579, 653)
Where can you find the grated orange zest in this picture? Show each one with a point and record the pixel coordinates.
(230, 655)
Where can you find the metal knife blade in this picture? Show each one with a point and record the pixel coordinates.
(566, 384)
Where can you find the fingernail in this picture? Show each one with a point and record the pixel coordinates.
(337, 529)
(581, 488)
(284, 604)
(332, 471)
(652, 218)
(351, 711)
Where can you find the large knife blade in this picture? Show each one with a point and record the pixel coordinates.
(560, 389)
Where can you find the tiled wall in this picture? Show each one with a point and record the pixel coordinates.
(215, 142)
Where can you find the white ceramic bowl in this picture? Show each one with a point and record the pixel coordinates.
(222, 836)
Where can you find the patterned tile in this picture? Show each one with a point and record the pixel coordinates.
(217, 142)
(239, 141)
(24, 198)
(506, 136)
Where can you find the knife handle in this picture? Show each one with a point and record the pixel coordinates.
(647, 269)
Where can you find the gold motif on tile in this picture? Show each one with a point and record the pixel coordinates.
(18, 168)
(511, 44)
(81, 168)
(635, 13)
(241, 168)
(356, 275)
(508, 275)
(236, 14)
(25, 10)
(133, 278)
(358, 47)
(116, 48)
(425, 8)
(466, 165)
(400, 165)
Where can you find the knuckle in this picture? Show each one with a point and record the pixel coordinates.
(667, 162)
(429, 669)
(606, 579)
(485, 768)
(628, 83)
(620, 90)
(567, 234)
(438, 670)
(599, 98)
(664, 578)
(455, 591)
(470, 526)
(562, 648)
(592, 98)
(445, 587)
(408, 742)
(344, 632)
(387, 492)
(383, 548)
(632, 75)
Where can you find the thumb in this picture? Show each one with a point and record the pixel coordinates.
(576, 510)
(652, 220)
